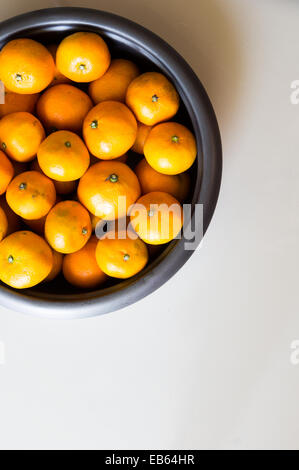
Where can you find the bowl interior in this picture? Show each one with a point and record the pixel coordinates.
(120, 47)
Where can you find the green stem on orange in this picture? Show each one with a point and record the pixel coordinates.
(113, 178)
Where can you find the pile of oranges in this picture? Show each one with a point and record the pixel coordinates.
(70, 116)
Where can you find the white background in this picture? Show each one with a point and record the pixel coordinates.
(204, 362)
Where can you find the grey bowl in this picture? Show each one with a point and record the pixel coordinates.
(126, 39)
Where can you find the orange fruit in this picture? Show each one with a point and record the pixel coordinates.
(31, 195)
(21, 135)
(109, 130)
(26, 66)
(170, 148)
(57, 266)
(152, 98)
(121, 257)
(142, 134)
(112, 86)
(81, 268)
(83, 57)
(15, 102)
(62, 187)
(102, 186)
(63, 107)
(68, 227)
(63, 156)
(25, 260)
(14, 221)
(3, 224)
(6, 172)
(58, 77)
(150, 180)
(157, 218)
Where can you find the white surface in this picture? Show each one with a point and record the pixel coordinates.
(204, 362)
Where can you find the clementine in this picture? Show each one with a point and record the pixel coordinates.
(26, 66)
(83, 57)
(63, 156)
(121, 257)
(157, 218)
(170, 148)
(68, 227)
(31, 195)
(112, 86)
(108, 189)
(109, 130)
(25, 260)
(21, 135)
(63, 107)
(81, 268)
(152, 98)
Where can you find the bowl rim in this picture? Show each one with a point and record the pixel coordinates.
(208, 182)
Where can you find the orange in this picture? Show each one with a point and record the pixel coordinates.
(62, 187)
(121, 257)
(81, 268)
(142, 134)
(58, 77)
(114, 83)
(14, 221)
(6, 172)
(83, 57)
(25, 260)
(21, 135)
(68, 227)
(150, 180)
(63, 156)
(63, 107)
(31, 195)
(57, 266)
(3, 224)
(170, 148)
(152, 98)
(26, 66)
(157, 218)
(109, 130)
(15, 102)
(102, 186)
